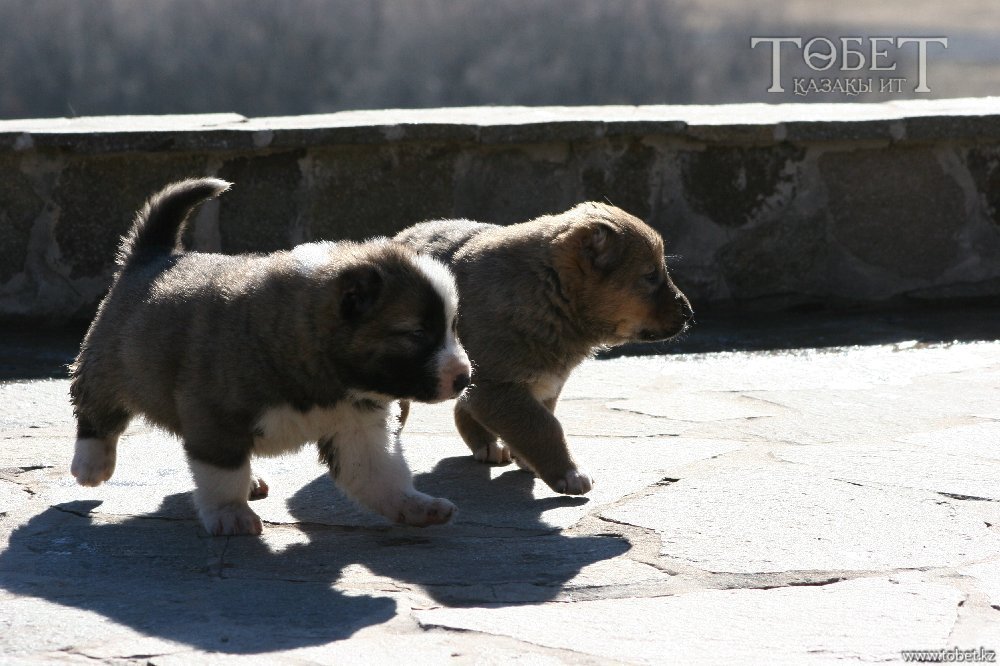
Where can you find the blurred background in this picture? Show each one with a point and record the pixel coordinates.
(96, 57)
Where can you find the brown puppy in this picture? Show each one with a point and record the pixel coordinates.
(537, 299)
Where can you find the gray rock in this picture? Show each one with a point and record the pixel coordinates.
(802, 506)
(785, 518)
(766, 206)
(865, 619)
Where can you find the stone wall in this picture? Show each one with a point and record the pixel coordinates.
(763, 206)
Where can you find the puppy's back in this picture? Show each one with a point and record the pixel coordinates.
(442, 238)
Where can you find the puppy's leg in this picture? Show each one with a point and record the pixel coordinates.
(258, 487)
(550, 404)
(404, 412)
(218, 449)
(367, 463)
(220, 496)
(484, 444)
(97, 434)
(532, 432)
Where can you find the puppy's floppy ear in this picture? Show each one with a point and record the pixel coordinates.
(360, 289)
(599, 244)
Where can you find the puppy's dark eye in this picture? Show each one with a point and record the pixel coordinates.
(652, 278)
(415, 335)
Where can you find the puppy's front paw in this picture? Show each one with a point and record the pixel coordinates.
(574, 482)
(93, 461)
(421, 510)
(231, 520)
(258, 489)
(493, 453)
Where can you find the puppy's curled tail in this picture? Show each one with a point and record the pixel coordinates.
(160, 222)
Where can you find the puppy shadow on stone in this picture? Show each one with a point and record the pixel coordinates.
(163, 576)
(497, 550)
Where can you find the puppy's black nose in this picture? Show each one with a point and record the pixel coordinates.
(461, 382)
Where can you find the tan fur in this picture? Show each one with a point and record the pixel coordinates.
(536, 299)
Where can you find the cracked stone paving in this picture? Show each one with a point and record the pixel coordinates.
(808, 505)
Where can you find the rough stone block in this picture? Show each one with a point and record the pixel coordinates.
(19, 206)
(896, 209)
(97, 198)
(760, 205)
(983, 163)
(260, 212)
(733, 185)
(782, 257)
(508, 184)
(620, 171)
(358, 192)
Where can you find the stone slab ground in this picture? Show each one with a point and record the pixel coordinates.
(803, 506)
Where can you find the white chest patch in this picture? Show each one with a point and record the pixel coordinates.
(283, 429)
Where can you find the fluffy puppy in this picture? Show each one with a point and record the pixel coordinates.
(537, 299)
(258, 354)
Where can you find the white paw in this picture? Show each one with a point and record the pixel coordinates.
(258, 489)
(93, 461)
(575, 482)
(231, 519)
(494, 453)
(421, 510)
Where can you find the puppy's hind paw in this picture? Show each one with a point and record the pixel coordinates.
(231, 520)
(420, 510)
(93, 461)
(259, 489)
(493, 453)
(574, 482)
